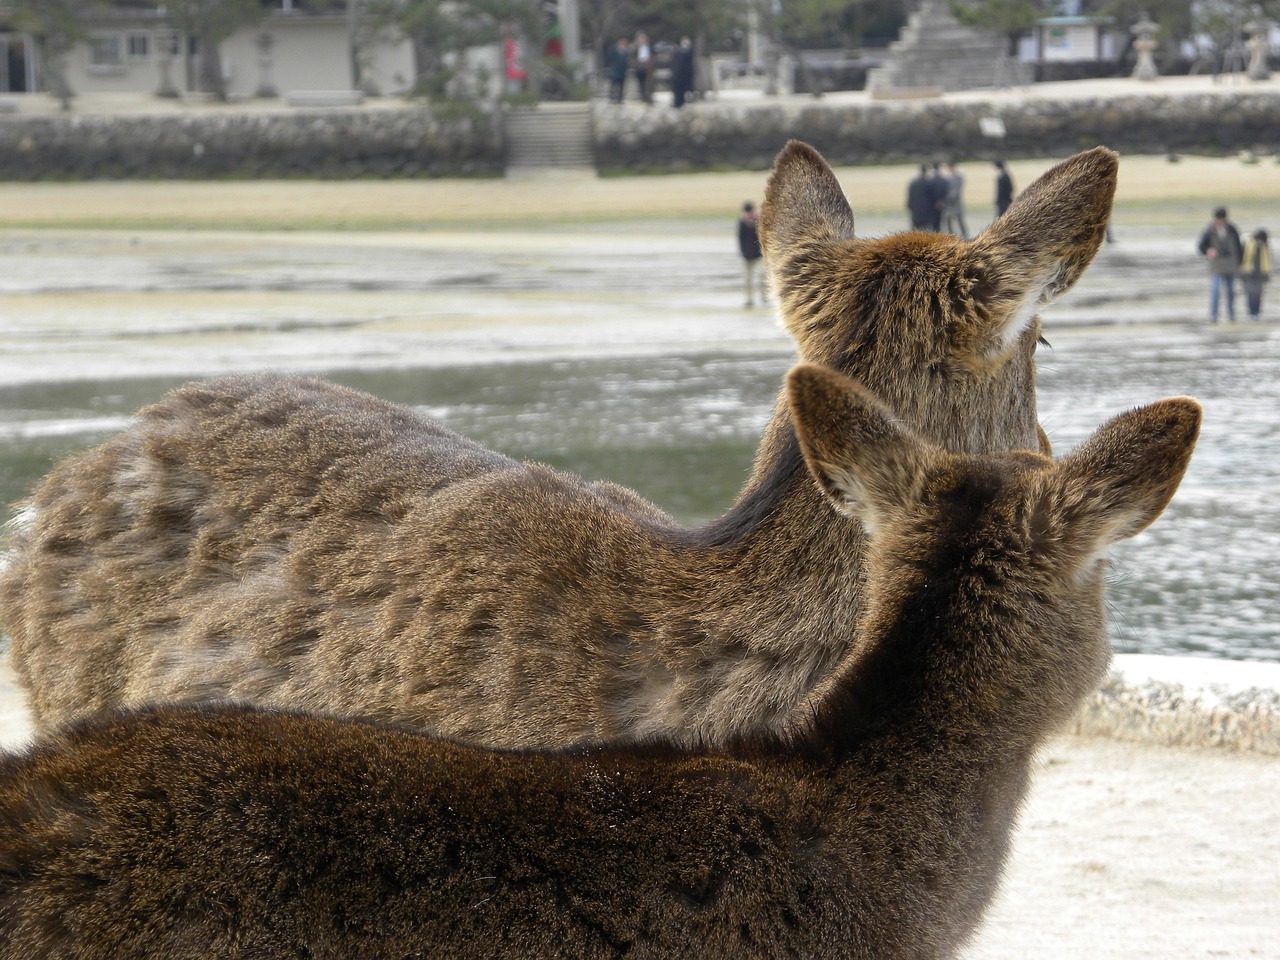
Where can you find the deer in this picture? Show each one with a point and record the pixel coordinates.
(873, 823)
(291, 543)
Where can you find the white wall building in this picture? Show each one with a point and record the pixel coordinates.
(287, 50)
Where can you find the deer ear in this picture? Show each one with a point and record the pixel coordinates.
(863, 458)
(1043, 243)
(1119, 480)
(803, 202)
(805, 221)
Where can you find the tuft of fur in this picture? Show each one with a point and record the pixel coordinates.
(289, 543)
(875, 825)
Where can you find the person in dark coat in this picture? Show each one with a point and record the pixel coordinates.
(619, 62)
(1004, 188)
(939, 185)
(749, 247)
(682, 73)
(920, 202)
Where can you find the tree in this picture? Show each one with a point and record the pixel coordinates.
(1008, 18)
(441, 31)
(56, 25)
(1173, 16)
(211, 22)
(606, 21)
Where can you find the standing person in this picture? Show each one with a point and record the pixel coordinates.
(938, 185)
(953, 211)
(682, 73)
(642, 57)
(921, 206)
(1220, 245)
(1004, 189)
(1255, 270)
(618, 61)
(749, 247)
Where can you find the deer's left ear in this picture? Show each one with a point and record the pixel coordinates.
(802, 202)
(862, 457)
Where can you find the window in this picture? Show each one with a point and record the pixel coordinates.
(104, 51)
(139, 46)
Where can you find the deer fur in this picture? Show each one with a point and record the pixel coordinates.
(294, 544)
(875, 825)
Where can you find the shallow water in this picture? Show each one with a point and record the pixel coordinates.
(623, 352)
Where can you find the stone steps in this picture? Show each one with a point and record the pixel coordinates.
(550, 136)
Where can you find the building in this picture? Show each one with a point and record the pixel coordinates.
(1072, 38)
(139, 51)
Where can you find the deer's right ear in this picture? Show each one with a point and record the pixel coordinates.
(803, 202)
(863, 458)
(1044, 242)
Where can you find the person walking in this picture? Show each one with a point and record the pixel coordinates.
(1255, 270)
(1220, 246)
(749, 247)
(1004, 188)
(921, 205)
(618, 62)
(953, 210)
(682, 73)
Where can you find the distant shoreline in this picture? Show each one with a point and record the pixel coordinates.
(1147, 184)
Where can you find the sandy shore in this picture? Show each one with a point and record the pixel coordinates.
(1145, 182)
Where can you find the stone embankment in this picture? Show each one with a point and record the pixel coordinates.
(1042, 120)
(406, 142)
(863, 131)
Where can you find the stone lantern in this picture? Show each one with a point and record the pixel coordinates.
(1144, 34)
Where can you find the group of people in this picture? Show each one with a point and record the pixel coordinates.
(935, 200)
(636, 58)
(1228, 258)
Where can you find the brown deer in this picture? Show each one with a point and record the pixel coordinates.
(874, 825)
(292, 544)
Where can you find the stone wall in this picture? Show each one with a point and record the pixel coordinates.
(871, 132)
(329, 143)
(364, 142)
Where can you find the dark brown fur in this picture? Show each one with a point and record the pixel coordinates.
(292, 544)
(875, 827)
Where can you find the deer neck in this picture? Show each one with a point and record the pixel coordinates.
(927, 733)
(771, 595)
(778, 514)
